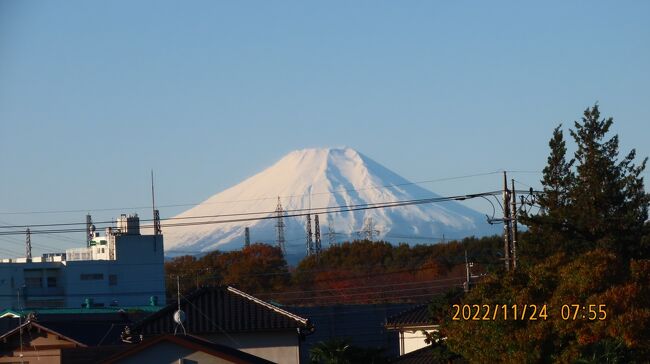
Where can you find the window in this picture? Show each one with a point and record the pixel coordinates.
(112, 279)
(92, 277)
(33, 282)
(51, 282)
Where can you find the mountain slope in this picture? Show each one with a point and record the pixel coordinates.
(321, 178)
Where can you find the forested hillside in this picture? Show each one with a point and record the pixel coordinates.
(361, 271)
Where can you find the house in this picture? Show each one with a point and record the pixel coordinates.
(166, 349)
(40, 342)
(361, 325)
(223, 316)
(42, 337)
(122, 268)
(411, 325)
(32, 342)
(230, 317)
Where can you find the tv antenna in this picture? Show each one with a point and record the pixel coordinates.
(179, 315)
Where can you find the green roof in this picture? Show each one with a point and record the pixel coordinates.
(81, 310)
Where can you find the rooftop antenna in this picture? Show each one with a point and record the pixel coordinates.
(280, 226)
(28, 244)
(157, 230)
(179, 315)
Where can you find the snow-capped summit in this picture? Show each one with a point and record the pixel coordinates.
(315, 178)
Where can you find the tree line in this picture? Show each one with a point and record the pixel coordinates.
(359, 271)
(589, 245)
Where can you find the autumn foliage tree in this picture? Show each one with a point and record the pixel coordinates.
(588, 245)
(257, 268)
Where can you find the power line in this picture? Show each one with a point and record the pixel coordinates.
(262, 198)
(270, 214)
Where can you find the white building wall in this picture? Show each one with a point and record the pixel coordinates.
(131, 279)
(411, 340)
(137, 274)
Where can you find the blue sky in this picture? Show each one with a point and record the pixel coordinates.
(95, 94)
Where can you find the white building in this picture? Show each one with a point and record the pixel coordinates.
(413, 326)
(122, 268)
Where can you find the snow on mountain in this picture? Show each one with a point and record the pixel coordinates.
(313, 178)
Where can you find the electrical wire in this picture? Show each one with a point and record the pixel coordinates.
(250, 200)
(290, 213)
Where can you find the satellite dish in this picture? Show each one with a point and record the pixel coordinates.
(179, 317)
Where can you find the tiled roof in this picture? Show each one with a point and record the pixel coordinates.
(420, 356)
(7, 324)
(416, 316)
(221, 309)
(31, 325)
(90, 329)
(191, 342)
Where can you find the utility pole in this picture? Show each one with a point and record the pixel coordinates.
(513, 223)
(467, 277)
(506, 222)
(280, 226)
(28, 244)
(247, 237)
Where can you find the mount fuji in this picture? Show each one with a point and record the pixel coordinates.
(317, 178)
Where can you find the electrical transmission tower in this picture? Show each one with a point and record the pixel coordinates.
(157, 229)
(369, 229)
(331, 234)
(317, 244)
(247, 237)
(280, 226)
(89, 235)
(28, 244)
(309, 237)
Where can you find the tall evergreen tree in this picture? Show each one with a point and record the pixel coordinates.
(594, 215)
(550, 229)
(599, 203)
(609, 202)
